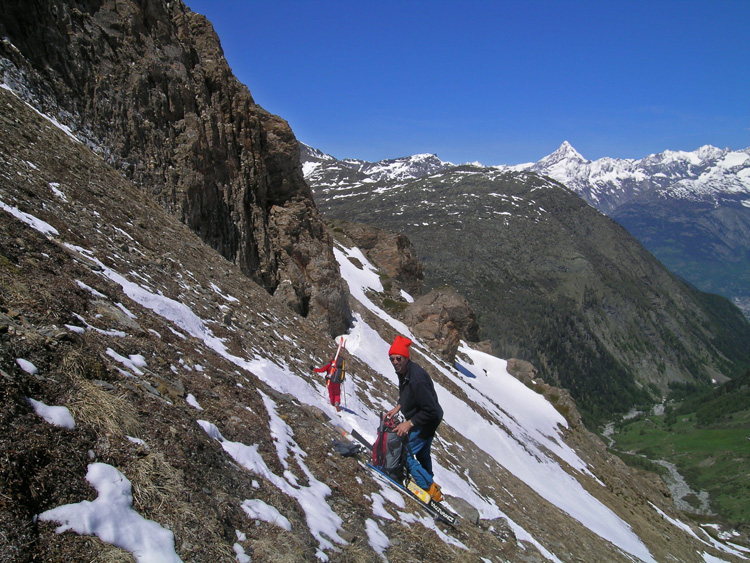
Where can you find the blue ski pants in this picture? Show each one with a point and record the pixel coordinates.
(419, 458)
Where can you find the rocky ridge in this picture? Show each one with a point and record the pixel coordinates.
(147, 86)
(690, 209)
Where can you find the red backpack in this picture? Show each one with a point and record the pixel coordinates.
(389, 451)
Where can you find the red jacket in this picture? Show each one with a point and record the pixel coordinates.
(333, 372)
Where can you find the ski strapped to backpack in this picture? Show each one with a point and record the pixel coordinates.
(406, 485)
(337, 371)
(334, 363)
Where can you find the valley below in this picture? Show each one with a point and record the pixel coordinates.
(703, 458)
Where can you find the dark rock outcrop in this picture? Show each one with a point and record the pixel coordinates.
(442, 318)
(146, 84)
(393, 253)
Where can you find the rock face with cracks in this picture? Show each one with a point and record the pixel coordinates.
(147, 85)
(443, 318)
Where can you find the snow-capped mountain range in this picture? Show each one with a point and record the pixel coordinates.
(690, 209)
(707, 174)
(397, 169)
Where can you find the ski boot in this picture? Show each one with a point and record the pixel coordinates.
(434, 492)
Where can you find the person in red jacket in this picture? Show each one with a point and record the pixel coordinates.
(418, 402)
(334, 376)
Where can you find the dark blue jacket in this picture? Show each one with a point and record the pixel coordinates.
(418, 400)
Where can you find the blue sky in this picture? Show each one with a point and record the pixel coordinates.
(495, 82)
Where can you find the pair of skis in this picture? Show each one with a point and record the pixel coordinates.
(432, 507)
(332, 369)
(342, 345)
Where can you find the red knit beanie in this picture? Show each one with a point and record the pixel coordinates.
(400, 347)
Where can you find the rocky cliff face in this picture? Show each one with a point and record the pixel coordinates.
(441, 318)
(147, 86)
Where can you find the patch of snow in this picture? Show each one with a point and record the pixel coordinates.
(58, 416)
(112, 519)
(27, 366)
(259, 510)
(33, 222)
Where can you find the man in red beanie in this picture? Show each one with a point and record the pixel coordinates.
(418, 402)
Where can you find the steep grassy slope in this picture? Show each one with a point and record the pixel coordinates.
(143, 331)
(704, 242)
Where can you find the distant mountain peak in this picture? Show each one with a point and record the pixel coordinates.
(565, 155)
(566, 150)
(707, 173)
(313, 153)
(315, 162)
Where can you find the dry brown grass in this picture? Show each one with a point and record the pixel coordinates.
(109, 553)
(13, 288)
(155, 483)
(159, 492)
(92, 405)
(79, 365)
(108, 414)
(359, 552)
(280, 547)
